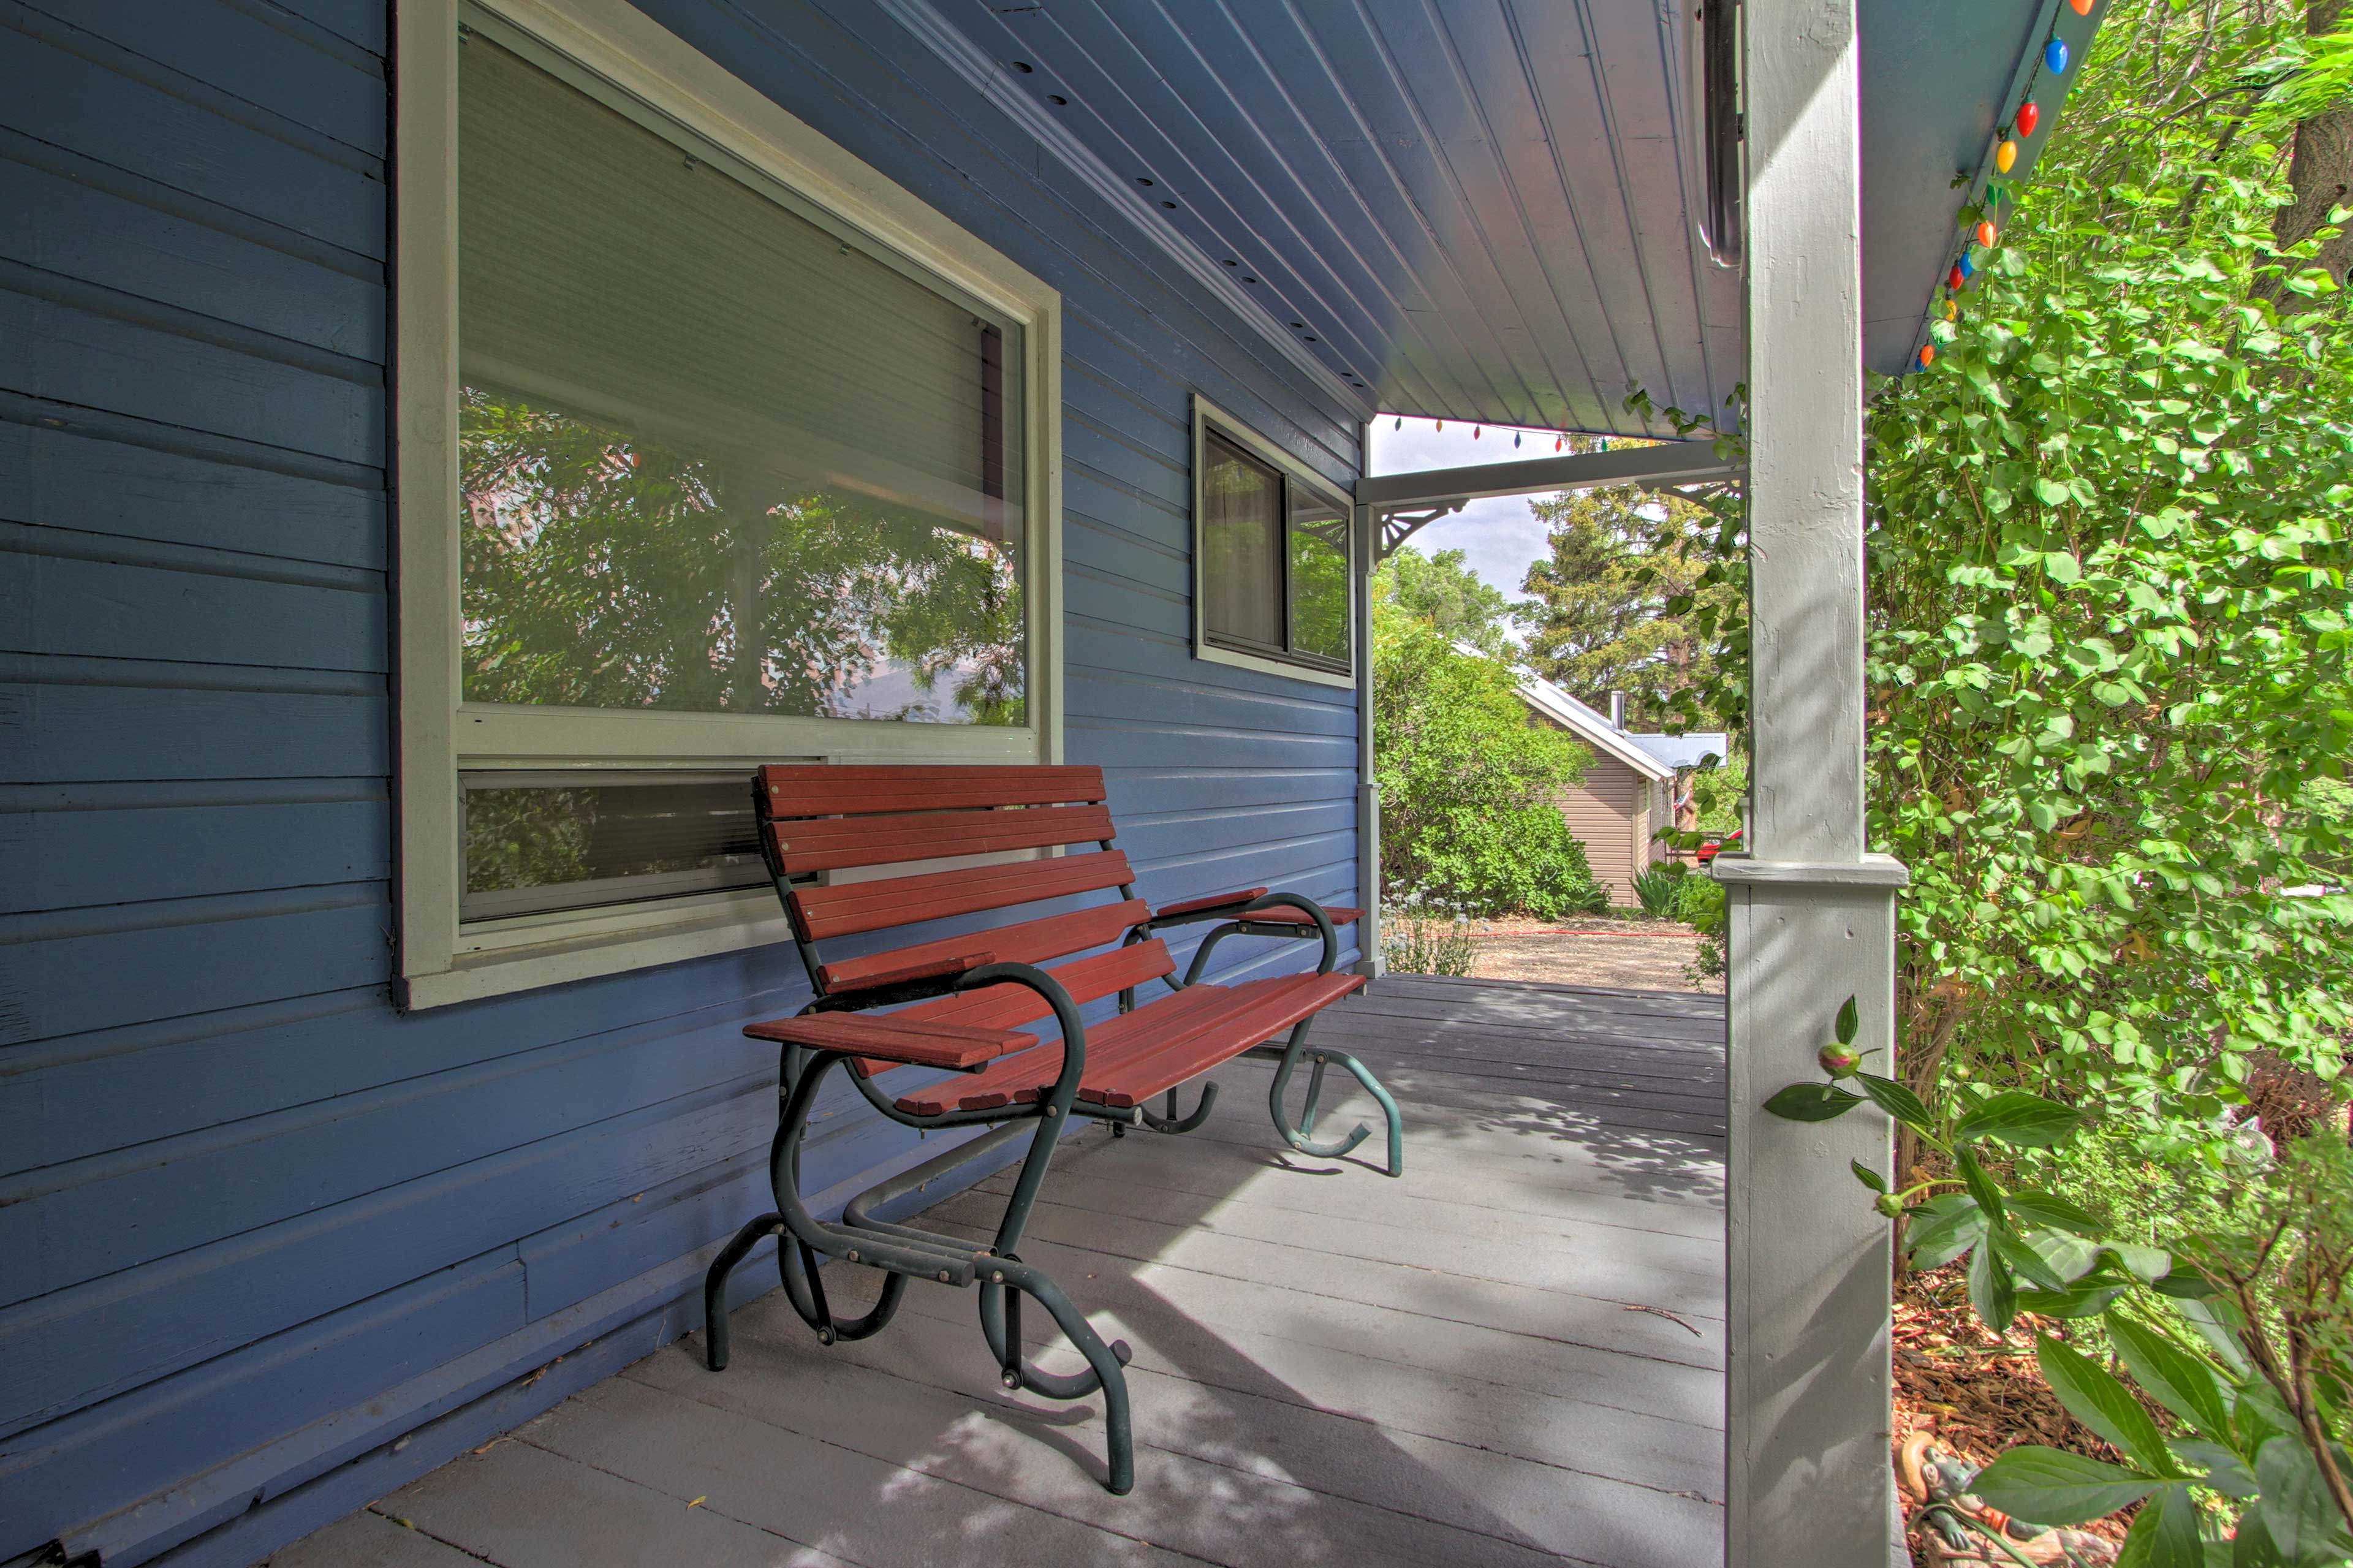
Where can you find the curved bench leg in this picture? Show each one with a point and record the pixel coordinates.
(1172, 1122)
(714, 1284)
(1298, 1138)
(1004, 1286)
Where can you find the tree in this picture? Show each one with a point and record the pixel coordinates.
(1467, 785)
(1442, 590)
(1598, 619)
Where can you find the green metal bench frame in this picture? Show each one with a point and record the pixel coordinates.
(814, 818)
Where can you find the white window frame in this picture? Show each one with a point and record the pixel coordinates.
(1207, 418)
(440, 960)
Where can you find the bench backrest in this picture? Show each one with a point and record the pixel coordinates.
(819, 817)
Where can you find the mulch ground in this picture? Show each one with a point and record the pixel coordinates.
(1977, 1393)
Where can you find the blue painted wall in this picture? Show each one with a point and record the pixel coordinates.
(254, 1224)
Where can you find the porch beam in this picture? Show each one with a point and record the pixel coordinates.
(1811, 913)
(1666, 463)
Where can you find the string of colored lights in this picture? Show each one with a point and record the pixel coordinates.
(2051, 62)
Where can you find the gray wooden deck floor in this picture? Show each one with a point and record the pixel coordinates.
(1514, 1355)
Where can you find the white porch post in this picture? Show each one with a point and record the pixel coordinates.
(1811, 915)
(1368, 794)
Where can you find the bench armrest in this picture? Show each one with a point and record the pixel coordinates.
(907, 975)
(1206, 908)
(887, 1038)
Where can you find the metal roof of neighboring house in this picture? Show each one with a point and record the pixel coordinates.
(1591, 726)
(1684, 751)
(1482, 209)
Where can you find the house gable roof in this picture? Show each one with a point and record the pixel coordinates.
(1590, 726)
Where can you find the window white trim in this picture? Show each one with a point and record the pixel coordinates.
(1207, 416)
(440, 961)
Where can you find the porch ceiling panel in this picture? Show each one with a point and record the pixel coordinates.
(1482, 209)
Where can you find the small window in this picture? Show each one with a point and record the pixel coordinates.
(1272, 559)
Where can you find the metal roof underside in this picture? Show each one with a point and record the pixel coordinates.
(1480, 209)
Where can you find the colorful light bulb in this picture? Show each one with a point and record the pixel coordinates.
(1965, 267)
(1928, 355)
(2081, 7)
(2004, 156)
(1956, 278)
(2030, 115)
(1985, 234)
(2054, 56)
(1952, 312)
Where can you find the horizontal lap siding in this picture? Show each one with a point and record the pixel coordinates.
(254, 1224)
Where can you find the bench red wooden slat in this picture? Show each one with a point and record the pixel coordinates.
(854, 907)
(824, 789)
(1250, 1014)
(833, 843)
(1134, 1057)
(926, 969)
(1208, 902)
(1341, 915)
(1167, 1047)
(1027, 1078)
(1087, 979)
(1029, 942)
(917, 1042)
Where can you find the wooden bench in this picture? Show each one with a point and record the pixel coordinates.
(1003, 1011)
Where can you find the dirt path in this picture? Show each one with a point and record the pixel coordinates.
(1645, 957)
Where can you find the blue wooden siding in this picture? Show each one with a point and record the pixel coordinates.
(255, 1226)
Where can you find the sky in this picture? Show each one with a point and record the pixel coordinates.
(1500, 537)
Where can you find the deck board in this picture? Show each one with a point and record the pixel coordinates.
(1514, 1355)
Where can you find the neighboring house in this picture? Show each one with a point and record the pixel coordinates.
(1629, 794)
(1623, 798)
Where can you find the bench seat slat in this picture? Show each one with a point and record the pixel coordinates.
(1025, 1081)
(825, 789)
(1138, 1055)
(833, 843)
(1252, 1011)
(855, 907)
(1009, 1007)
(1029, 942)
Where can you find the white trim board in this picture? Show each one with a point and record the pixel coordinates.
(440, 959)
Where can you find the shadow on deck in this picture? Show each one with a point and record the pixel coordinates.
(1513, 1355)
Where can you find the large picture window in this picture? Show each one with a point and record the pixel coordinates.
(1271, 557)
(735, 470)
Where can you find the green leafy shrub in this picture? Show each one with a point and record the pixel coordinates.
(1468, 785)
(2258, 1382)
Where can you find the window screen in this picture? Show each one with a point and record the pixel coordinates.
(716, 457)
(541, 842)
(1241, 534)
(1275, 560)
